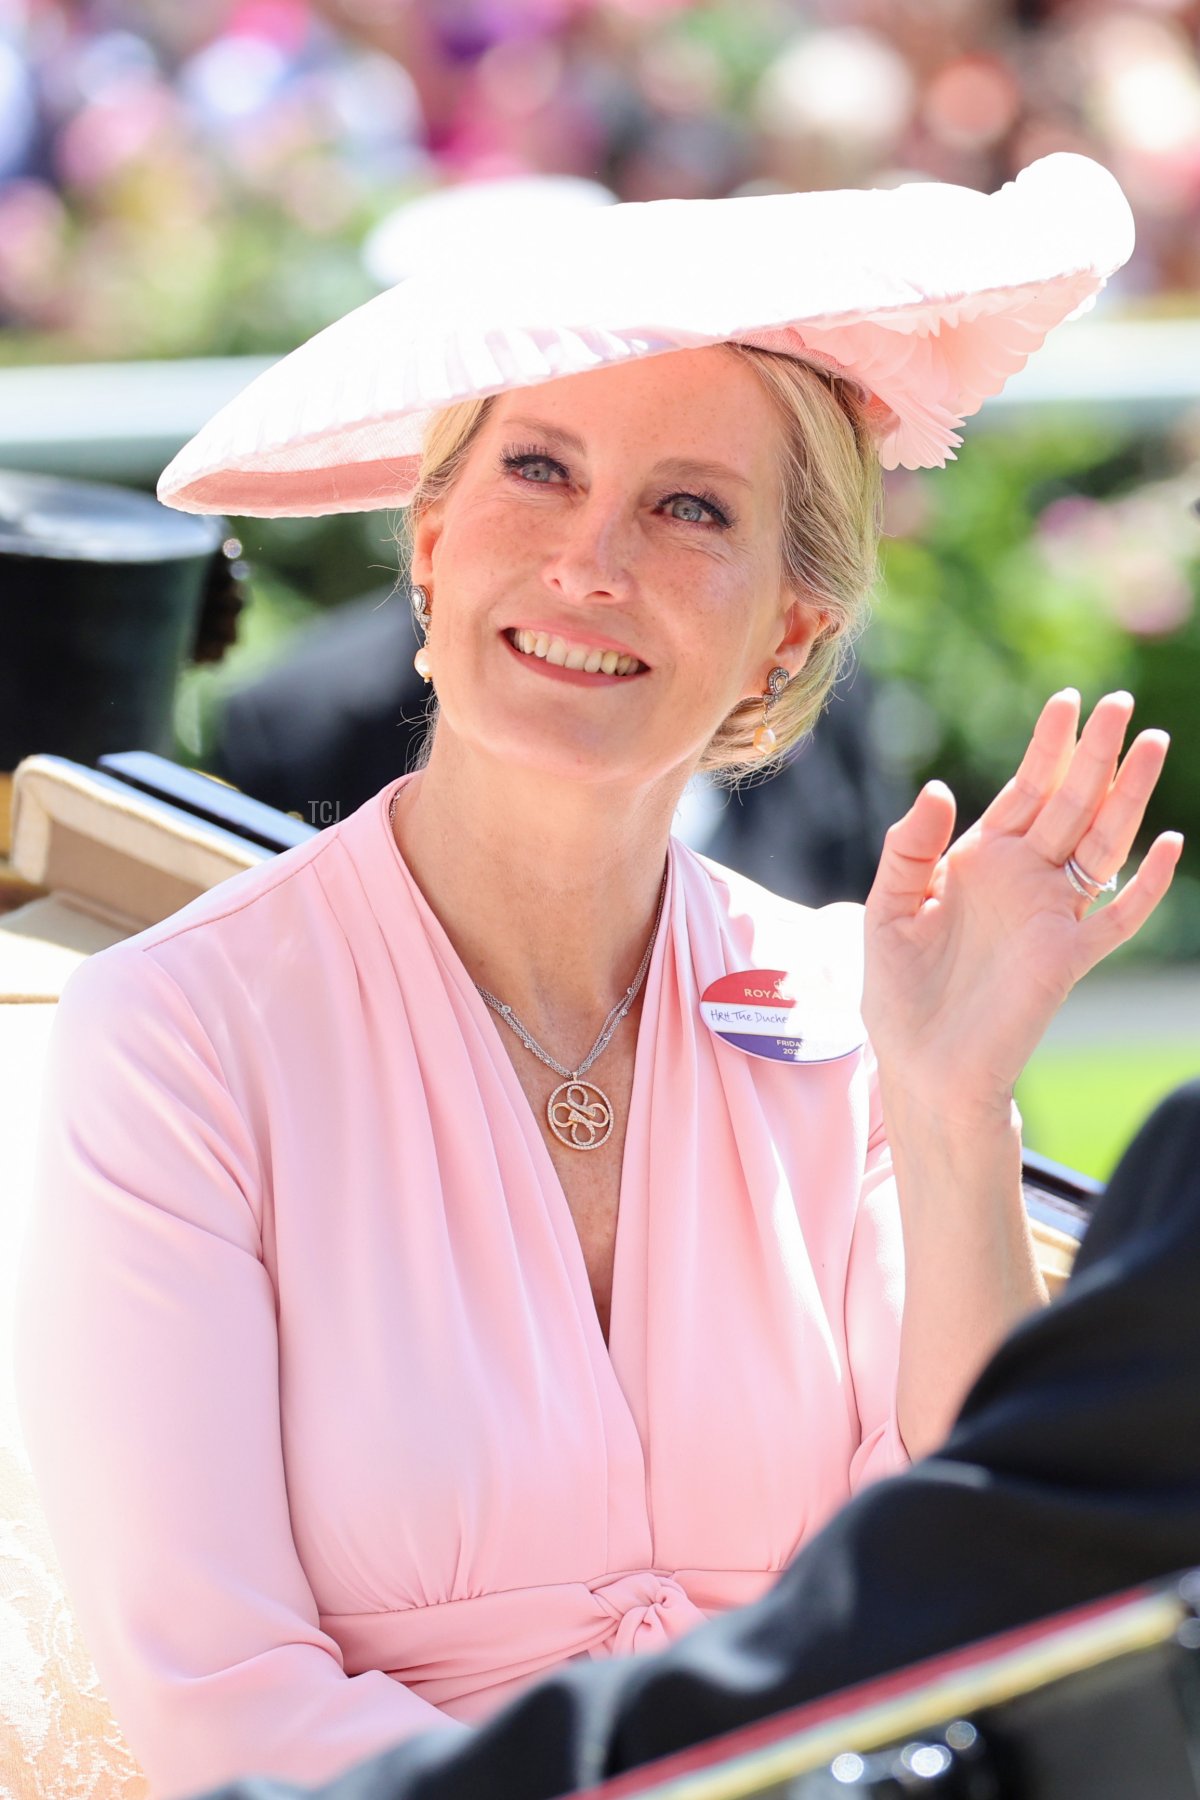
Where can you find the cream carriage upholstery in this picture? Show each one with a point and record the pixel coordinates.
(91, 861)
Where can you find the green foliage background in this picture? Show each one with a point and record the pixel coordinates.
(978, 622)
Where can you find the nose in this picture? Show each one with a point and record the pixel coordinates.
(592, 558)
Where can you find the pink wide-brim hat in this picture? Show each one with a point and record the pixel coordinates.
(929, 296)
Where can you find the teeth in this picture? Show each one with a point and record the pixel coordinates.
(575, 656)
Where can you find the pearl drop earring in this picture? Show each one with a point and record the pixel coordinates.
(419, 601)
(765, 740)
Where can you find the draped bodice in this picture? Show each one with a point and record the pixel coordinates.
(353, 1393)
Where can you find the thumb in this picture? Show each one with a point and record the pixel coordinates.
(911, 851)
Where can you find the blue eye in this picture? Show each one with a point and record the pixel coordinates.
(533, 466)
(696, 505)
(530, 465)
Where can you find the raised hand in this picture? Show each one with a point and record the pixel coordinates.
(971, 947)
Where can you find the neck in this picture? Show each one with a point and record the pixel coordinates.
(548, 891)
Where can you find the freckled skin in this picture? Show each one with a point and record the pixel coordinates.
(610, 537)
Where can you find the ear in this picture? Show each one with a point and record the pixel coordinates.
(802, 624)
(426, 531)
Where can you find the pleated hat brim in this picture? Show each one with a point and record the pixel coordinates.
(928, 295)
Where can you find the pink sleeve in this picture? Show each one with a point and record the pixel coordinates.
(148, 1391)
(874, 1311)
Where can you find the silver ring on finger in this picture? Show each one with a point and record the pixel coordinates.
(1086, 885)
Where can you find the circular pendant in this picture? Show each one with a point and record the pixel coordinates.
(580, 1115)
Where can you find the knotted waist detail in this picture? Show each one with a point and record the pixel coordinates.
(470, 1656)
(647, 1611)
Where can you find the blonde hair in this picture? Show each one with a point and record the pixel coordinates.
(831, 491)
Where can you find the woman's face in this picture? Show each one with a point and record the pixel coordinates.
(628, 513)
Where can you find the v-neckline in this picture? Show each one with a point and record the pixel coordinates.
(491, 1028)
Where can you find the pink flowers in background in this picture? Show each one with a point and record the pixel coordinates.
(132, 120)
(33, 250)
(1145, 99)
(1139, 552)
(257, 135)
(906, 506)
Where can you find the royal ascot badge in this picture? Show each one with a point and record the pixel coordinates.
(780, 1017)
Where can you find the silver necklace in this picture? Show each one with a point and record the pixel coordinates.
(579, 1113)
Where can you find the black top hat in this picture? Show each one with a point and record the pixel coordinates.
(102, 597)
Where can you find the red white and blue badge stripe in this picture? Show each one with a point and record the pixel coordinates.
(765, 1013)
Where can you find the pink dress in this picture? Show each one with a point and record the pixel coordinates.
(326, 1431)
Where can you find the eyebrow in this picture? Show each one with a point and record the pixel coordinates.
(674, 467)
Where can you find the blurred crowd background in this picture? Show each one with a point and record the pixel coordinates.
(206, 179)
(189, 179)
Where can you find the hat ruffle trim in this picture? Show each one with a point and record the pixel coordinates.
(928, 296)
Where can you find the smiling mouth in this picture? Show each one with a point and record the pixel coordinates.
(590, 659)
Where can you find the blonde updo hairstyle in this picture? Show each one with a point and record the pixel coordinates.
(832, 506)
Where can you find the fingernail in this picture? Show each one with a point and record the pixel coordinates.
(1123, 695)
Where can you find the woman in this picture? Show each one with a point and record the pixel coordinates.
(467, 1303)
